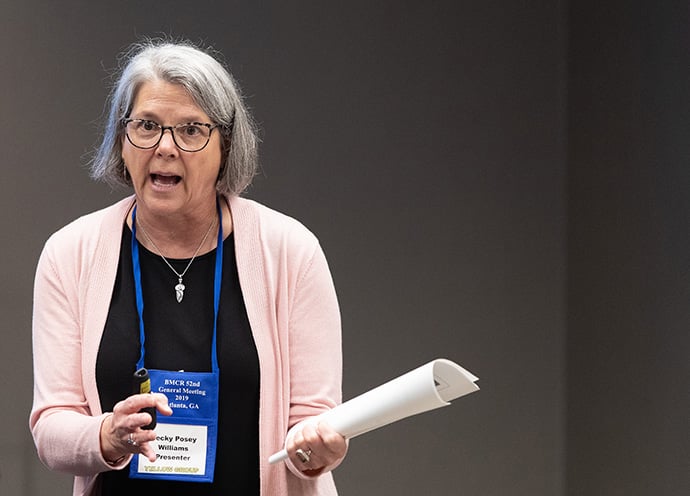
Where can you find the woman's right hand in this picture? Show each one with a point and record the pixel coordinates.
(122, 433)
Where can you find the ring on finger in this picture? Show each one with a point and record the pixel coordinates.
(304, 456)
(131, 441)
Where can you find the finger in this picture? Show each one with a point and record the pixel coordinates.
(137, 421)
(294, 442)
(312, 439)
(139, 441)
(131, 443)
(138, 401)
(310, 445)
(161, 403)
(144, 436)
(123, 421)
(128, 413)
(297, 450)
(147, 451)
(327, 446)
(332, 441)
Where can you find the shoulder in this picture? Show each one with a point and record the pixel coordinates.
(270, 225)
(89, 230)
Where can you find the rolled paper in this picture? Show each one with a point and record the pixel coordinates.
(425, 388)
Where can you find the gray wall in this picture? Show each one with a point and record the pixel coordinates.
(628, 260)
(452, 156)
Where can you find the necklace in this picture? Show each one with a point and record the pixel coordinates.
(179, 287)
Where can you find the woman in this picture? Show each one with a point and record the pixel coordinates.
(230, 306)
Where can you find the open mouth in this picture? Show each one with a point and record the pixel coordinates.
(165, 180)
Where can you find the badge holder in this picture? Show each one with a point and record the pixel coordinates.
(185, 441)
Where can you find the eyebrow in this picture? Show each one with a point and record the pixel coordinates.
(152, 116)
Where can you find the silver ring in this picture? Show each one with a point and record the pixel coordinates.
(131, 441)
(304, 456)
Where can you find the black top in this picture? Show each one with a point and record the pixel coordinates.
(178, 337)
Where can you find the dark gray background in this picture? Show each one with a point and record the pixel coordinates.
(500, 183)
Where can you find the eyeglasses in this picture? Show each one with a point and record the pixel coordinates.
(189, 137)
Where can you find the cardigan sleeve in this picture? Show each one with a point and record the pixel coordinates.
(66, 434)
(315, 345)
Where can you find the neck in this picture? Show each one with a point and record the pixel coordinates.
(180, 236)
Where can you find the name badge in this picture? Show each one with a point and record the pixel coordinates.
(185, 441)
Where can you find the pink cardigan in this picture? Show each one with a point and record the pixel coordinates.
(293, 312)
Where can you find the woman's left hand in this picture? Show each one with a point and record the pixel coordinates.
(316, 447)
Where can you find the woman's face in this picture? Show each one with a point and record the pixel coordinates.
(167, 180)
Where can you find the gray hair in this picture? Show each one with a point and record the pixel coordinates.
(211, 87)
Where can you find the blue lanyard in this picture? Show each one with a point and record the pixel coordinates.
(218, 275)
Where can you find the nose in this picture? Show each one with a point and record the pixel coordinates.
(166, 145)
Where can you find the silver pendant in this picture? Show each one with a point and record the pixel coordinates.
(179, 291)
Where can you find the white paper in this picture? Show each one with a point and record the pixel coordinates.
(428, 387)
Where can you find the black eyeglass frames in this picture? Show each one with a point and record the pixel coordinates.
(189, 137)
